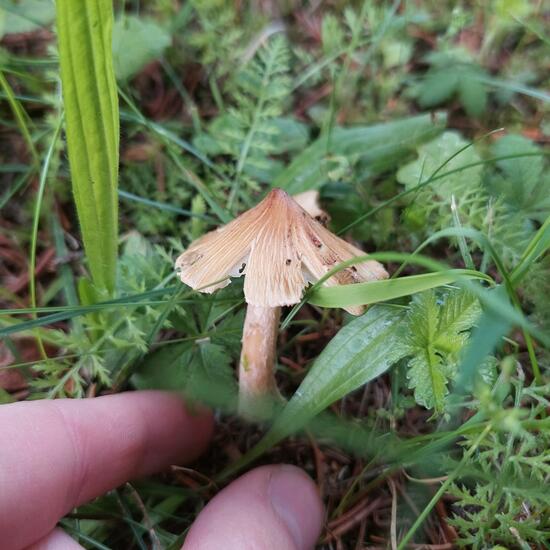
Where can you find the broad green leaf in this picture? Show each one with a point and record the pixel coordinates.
(472, 93)
(376, 147)
(437, 87)
(538, 245)
(136, 42)
(17, 16)
(291, 135)
(364, 349)
(453, 72)
(490, 329)
(523, 182)
(379, 291)
(523, 172)
(432, 155)
(200, 370)
(430, 208)
(92, 128)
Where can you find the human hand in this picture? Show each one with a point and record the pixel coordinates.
(58, 454)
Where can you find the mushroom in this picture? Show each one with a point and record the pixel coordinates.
(280, 249)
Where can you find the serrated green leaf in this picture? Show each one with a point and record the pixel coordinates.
(92, 126)
(136, 42)
(428, 378)
(228, 333)
(426, 372)
(491, 327)
(459, 312)
(436, 336)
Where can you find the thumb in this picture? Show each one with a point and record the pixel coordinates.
(269, 508)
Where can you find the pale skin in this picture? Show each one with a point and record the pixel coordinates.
(56, 455)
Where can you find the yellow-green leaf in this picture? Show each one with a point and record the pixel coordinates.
(84, 32)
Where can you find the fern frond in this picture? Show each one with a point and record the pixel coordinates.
(248, 131)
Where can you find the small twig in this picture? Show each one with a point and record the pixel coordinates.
(349, 512)
(319, 464)
(155, 541)
(290, 363)
(450, 532)
(188, 473)
(427, 480)
(349, 520)
(44, 261)
(361, 534)
(445, 546)
(393, 526)
(364, 401)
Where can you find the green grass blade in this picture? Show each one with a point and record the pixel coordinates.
(485, 337)
(70, 313)
(415, 259)
(92, 125)
(18, 184)
(20, 116)
(164, 206)
(538, 245)
(379, 291)
(508, 85)
(36, 220)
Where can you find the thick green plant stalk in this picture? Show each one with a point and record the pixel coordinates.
(92, 126)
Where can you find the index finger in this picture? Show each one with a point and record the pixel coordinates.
(58, 454)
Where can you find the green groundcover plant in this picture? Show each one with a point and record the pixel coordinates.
(132, 129)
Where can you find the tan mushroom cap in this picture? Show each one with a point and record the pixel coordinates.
(279, 248)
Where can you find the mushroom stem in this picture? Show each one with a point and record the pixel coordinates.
(257, 386)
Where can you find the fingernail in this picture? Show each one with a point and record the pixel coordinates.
(295, 500)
